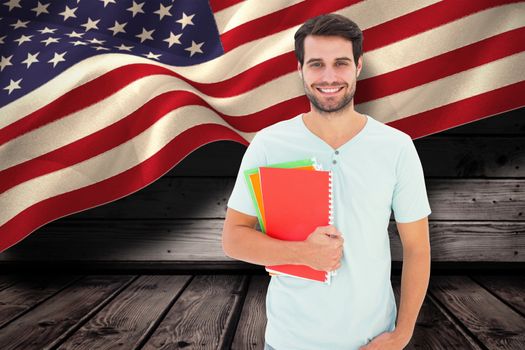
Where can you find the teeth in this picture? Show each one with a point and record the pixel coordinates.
(329, 90)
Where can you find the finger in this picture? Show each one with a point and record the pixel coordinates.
(331, 230)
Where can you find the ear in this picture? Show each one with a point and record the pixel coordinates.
(299, 69)
(359, 65)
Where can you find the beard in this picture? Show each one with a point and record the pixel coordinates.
(328, 107)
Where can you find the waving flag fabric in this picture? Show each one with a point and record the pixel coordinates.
(99, 98)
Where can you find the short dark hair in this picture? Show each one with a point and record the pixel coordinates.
(329, 25)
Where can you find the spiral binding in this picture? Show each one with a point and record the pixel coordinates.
(319, 166)
(331, 206)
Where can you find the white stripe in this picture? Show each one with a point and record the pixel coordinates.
(448, 37)
(108, 164)
(129, 99)
(238, 60)
(472, 82)
(247, 11)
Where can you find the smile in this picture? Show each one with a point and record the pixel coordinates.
(329, 90)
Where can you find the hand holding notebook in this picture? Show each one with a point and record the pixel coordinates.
(296, 202)
(302, 201)
(326, 246)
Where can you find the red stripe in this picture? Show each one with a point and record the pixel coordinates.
(399, 28)
(112, 188)
(464, 111)
(109, 83)
(76, 99)
(131, 126)
(279, 20)
(467, 57)
(218, 5)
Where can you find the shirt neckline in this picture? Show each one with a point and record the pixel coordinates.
(353, 140)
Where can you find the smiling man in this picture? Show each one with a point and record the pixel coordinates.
(376, 170)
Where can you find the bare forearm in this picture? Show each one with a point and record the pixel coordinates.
(250, 245)
(414, 285)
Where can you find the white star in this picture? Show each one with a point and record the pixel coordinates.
(57, 58)
(13, 85)
(185, 20)
(96, 41)
(173, 39)
(163, 11)
(136, 8)
(74, 34)
(68, 12)
(47, 30)
(12, 4)
(50, 40)
(98, 48)
(19, 24)
(152, 55)
(118, 28)
(31, 59)
(23, 39)
(123, 47)
(2, 39)
(90, 24)
(145, 35)
(194, 48)
(106, 2)
(5, 61)
(76, 43)
(40, 9)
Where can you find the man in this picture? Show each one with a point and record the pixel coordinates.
(376, 169)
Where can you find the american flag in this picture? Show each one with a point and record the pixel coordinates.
(99, 98)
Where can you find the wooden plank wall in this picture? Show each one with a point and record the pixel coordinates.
(475, 178)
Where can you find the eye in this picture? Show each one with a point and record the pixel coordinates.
(315, 64)
(341, 63)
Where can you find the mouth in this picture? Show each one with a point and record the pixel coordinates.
(329, 90)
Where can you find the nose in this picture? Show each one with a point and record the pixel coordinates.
(329, 75)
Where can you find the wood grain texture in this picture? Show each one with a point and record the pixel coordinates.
(27, 293)
(203, 316)
(470, 241)
(206, 198)
(53, 320)
(7, 280)
(433, 330)
(510, 289)
(126, 320)
(252, 324)
(492, 322)
(200, 241)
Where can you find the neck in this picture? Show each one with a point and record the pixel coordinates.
(335, 128)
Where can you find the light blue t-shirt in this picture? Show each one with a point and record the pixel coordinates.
(377, 171)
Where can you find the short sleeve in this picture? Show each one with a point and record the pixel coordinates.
(240, 198)
(410, 201)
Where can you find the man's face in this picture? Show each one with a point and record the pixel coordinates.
(329, 73)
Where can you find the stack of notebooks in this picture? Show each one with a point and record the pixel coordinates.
(292, 199)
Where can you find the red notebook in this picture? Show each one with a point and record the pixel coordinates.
(295, 203)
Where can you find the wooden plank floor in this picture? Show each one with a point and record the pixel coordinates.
(220, 311)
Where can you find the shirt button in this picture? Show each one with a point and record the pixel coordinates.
(334, 161)
(336, 152)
